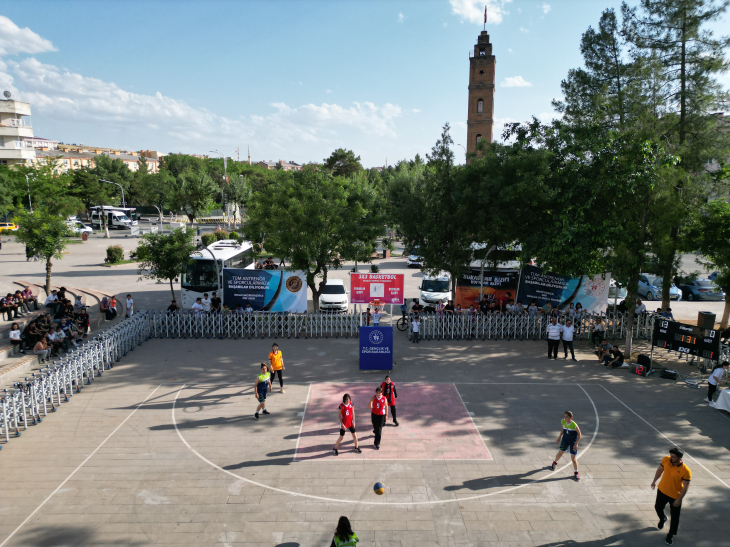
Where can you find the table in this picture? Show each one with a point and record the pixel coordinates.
(723, 400)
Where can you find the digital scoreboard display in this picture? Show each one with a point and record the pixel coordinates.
(690, 339)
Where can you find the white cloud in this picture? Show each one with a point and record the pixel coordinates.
(445, 25)
(509, 49)
(328, 91)
(15, 40)
(415, 110)
(473, 10)
(515, 81)
(545, 8)
(523, 29)
(400, 17)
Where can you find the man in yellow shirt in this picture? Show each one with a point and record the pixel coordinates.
(277, 365)
(672, 488)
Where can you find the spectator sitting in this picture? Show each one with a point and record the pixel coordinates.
(198, 307)
(28, 295)
(617, 360)
(172, 308)
(518, 308)
(41, 348)
(668, 314)
(31, 334)
(16, 337)
(598, 331)
(104, 306)
(604, 351)
(547, 309)
(7, 306)
(532, 309)
(418, 308)
(112, 311)
(70, 333)
(640, 307)
(55, 341)
(78, 305)
(82, 322)
(248, 308)
(510, 307)
(458, 309)
(621, 308)
(226, 310)
(21, 303)
(61, 294)
(484, 304)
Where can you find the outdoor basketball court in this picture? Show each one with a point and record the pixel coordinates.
(164, 449)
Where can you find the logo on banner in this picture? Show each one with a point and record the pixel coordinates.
(595, 288)
(376, 337)
(294, 284)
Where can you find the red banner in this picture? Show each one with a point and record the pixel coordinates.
(369, 287)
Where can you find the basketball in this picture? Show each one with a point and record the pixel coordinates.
(379, 488)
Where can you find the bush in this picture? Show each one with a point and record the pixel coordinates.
(234, 235)
(374, 269)
(220, 234)
(208, 239)
(114, 253)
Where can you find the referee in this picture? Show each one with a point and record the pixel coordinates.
(553, 335)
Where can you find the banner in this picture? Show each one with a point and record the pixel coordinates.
(366, 287)
(496, 284)
(266, 290)
(561, 291)
(376, 348)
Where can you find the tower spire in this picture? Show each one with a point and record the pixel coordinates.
(485, 17)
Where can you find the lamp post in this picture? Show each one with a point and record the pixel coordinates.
(30, 203)
(120, 187)
(457, 144)
(225, 175)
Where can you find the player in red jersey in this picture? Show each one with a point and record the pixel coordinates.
(379, 406)
(346, 415)
(390, 395)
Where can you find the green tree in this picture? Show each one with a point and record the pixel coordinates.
(155, 190)
(164, 257)
(8, 189)
(193, 191)
(45, 233)
(709, 233)
(51, 187)
(238, 192)
(343, 162)
(314, 219)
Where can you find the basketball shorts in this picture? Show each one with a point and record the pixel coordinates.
(351, 429)
(565, 445)
(262, 396)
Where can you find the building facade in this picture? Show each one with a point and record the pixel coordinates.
(285, 165)
(480, 119)
(15, 129)
(71, 159)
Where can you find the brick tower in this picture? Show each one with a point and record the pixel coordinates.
(481, 93)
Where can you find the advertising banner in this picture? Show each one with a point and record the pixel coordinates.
(561, 291)
(366, 287)
(496, 284)
(266, 290)
(376, 348)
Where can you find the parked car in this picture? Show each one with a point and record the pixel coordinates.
(414, 259)
(650, 287)
(334, 296)
(8, 226)
(701, 289)
(78, 227)
(712, 276)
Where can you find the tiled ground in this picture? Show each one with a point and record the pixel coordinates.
(433, 423)
(191, 466)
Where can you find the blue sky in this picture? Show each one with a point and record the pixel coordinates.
(294, 80)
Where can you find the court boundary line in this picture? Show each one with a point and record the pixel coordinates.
(384, 503)
(79, 467)
(473, 423)
(663, 435)
(301, 425)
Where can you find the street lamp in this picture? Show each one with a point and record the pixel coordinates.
(225, 175)
(30, 203)
(457, 144)
(120, 187)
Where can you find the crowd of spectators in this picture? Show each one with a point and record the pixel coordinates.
(18, 304)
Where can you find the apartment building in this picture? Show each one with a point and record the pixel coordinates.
(285, 165)
(15, 130)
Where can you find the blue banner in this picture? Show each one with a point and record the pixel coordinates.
(266, 290)
(376, 348)
(561, 291)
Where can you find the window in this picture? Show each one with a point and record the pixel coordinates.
(479, 137)
(480, 106)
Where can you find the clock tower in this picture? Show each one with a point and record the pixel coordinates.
(481, 93)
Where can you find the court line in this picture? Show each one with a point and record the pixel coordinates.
(301, 425)
(79, 467)
(663, 435)
(473, 423)
(388, 503)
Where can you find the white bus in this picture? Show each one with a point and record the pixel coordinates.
(200, 275)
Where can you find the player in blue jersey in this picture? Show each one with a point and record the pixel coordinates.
(568, 439)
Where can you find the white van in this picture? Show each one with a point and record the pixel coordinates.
(115, 219)
(435, 289)
(334, 296)
(78, 227)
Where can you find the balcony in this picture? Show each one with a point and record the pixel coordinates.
(15, 107)
(17, 153)
(15, 131)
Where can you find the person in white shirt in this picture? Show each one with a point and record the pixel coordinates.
(248, 309)
(129, 305)
(553, 338)
(376, 317)
(198, 306)
(640, 306)
(714, 380)
(416, 327)
(206, 302)
(568, 331)
(52, 302)
(532, 309)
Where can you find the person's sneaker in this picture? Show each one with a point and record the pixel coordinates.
(376, 447)
(661, 523)
(282, 390)
(22, 352)
(335, 452)
(576, 477)
(707, 400)
(574, 359)
(553, 466)
(565, 357)
(711, 403)
(396, 423)
(358, 450)
(256, 415)
(266, 412)
(669, 540)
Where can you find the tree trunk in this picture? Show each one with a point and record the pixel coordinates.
(49, 265)
(630, 307)
(726, 310)
(172, 290)
(667, 273)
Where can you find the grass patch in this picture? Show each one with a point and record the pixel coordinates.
(121, 262)
(73, 242)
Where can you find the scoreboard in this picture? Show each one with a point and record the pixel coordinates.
(690, 339)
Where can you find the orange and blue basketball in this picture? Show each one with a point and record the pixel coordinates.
(379, 488)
